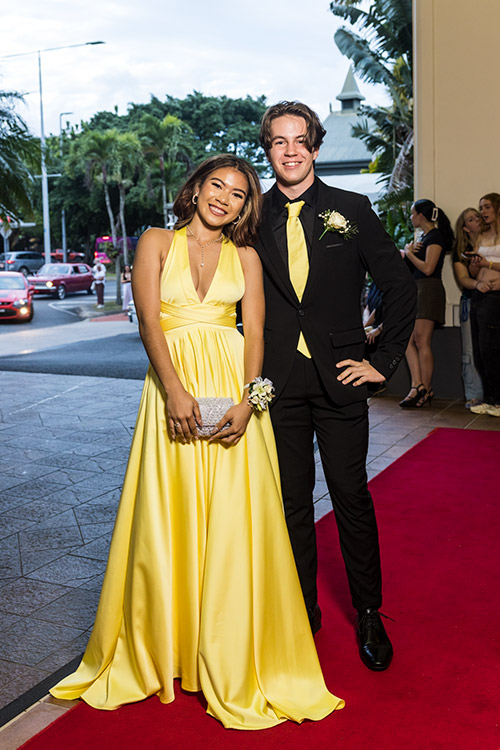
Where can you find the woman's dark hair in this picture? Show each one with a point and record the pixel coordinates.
(432, 213)
(244, 231)
(315, 131)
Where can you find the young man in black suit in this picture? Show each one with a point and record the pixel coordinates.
(314, 272)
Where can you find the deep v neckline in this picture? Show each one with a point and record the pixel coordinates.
(209, 289)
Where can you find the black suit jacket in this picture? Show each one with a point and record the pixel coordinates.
(330, 314)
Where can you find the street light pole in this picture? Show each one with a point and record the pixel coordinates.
(63, 213)
(45, 183)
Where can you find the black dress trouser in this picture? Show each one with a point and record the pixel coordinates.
(302, 409)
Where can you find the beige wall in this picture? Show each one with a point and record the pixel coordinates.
(457, 107)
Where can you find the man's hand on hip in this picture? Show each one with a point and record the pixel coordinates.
(358, 373)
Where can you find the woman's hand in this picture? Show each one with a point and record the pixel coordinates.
(372, 335)
(183, 414)
(494, 284)
(409, 248)
(238, 417)
(485, 286)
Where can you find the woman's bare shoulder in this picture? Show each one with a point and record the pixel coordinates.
(154, 240)
(157, 235)
(248, 256)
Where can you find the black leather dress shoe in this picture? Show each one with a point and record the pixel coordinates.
(314, 614)
(375, 648)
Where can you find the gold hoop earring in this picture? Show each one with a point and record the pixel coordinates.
(238, 218)
(194, 199)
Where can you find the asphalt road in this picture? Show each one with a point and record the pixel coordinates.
(120, 356)
(48, 312)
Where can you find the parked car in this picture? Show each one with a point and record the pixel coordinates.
(60, 279)
(16, 297)
(57, 256)
(23, 261)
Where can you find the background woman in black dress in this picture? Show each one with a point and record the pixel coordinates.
(425, 259)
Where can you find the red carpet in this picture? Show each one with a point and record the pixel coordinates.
(438, 509)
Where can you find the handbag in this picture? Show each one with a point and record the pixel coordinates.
(212, 409)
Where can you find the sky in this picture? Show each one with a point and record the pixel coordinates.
(283, 49)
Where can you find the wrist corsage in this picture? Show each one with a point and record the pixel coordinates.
(260, 393)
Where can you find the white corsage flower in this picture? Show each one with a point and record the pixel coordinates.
(260, 393)
(333, 221)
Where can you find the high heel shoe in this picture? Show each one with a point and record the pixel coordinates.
(426, 399)
(411, 401)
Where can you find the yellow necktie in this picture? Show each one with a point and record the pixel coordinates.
(298, 261)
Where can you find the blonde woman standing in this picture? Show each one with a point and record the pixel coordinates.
(485, 315)
(467, 230)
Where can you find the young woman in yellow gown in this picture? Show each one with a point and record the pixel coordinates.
(201, 583)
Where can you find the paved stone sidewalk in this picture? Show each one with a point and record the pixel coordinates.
(65, 447)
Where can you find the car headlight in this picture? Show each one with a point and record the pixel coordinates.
(49, 284)
(20, 303)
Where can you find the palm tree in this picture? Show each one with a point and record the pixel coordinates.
(93, 153)
(383, 54)
(166, 142)
(18, 151)
(126, 158)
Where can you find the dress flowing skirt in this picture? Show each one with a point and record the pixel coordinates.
(201, 584)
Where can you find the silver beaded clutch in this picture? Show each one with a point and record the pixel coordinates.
(212, 409)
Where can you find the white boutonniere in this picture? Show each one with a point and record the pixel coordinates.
(335, 222)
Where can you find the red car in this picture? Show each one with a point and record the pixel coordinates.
(16, 297)
(60, 279)
(56, 256)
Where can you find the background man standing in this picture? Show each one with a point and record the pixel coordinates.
(314, 273)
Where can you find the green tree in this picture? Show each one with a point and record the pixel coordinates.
(193, 128)
(126, 158)
(379, 43)
(19, 151)
(93, 154)
(166, 143)
(223, 125)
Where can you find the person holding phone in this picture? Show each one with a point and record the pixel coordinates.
(467, 229)
(485, 309)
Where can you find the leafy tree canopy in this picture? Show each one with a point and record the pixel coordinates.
(100, 189)
(19, 153)
(379, 43)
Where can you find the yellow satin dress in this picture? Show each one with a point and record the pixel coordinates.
(201, 583)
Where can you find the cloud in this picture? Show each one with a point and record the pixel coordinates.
(283, 49)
